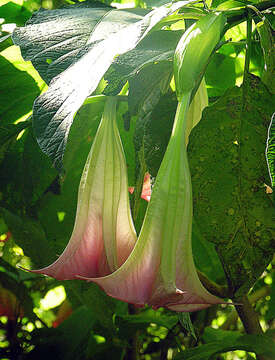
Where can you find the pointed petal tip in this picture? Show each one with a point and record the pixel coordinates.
(32, 271)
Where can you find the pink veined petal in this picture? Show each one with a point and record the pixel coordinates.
(103, 234)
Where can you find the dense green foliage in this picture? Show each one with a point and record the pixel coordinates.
(53, 85)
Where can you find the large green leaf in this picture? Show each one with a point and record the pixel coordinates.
(157, 46)
(84, 40)
(229, 173)
(230, 341)
(20, 84)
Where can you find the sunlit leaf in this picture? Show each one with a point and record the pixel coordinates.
(86, 52)
(15, 80)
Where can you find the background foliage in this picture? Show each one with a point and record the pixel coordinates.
(234, 219)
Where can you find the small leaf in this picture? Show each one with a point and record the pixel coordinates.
(153, 131)
(14, 13)
(230, 341)
(220, 64)
(206, 257)
(186, 323)
(149, 316)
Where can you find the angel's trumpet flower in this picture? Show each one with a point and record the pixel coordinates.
(160, 270)
(103, 234)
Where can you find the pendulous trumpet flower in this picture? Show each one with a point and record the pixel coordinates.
(157, 268)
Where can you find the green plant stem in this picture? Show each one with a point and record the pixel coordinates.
(211, 286)
(249, 319)
(132, 352)
(253, 298)
(235, 17)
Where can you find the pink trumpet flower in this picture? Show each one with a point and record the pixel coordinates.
(103, 234)
(158, 268)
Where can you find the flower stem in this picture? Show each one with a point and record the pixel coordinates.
(249, 319)
(133, 349)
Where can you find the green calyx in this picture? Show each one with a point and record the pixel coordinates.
(193, 51)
